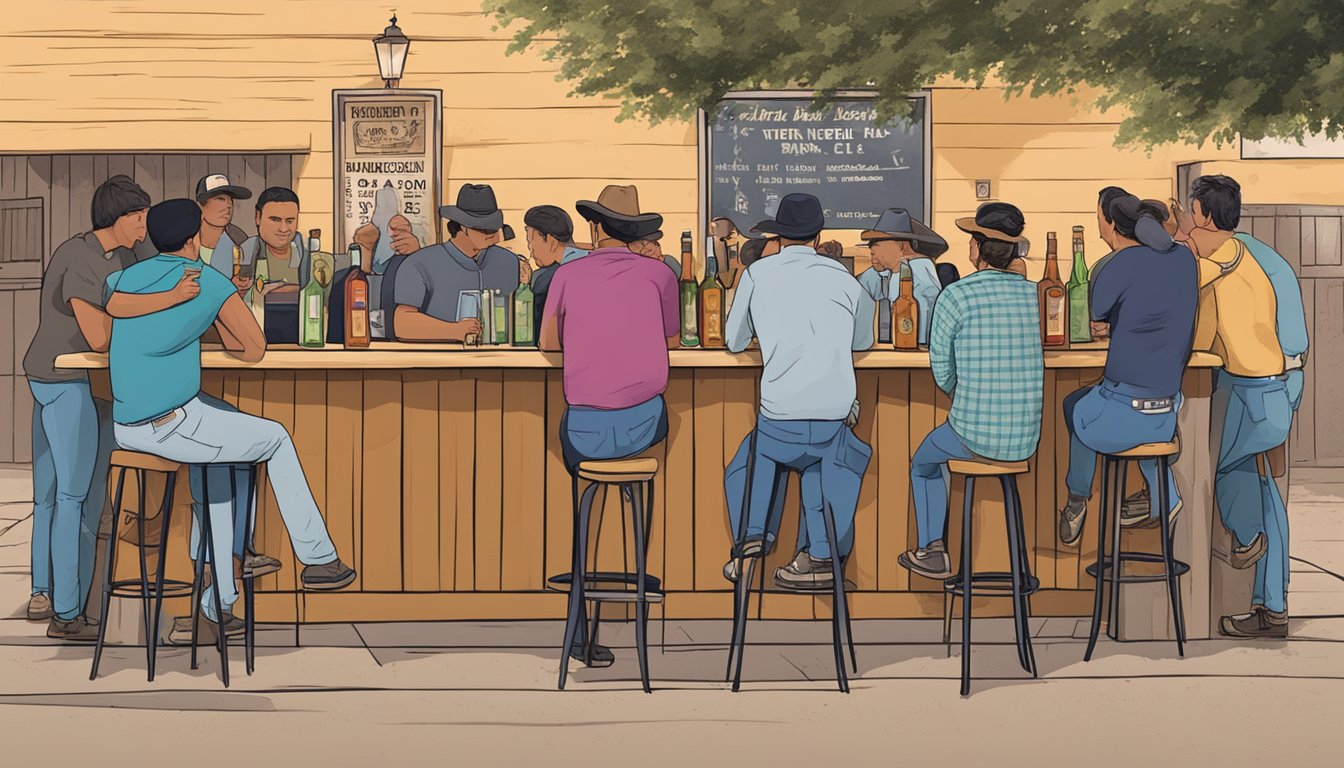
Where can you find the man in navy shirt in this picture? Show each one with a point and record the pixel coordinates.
(1148, 294)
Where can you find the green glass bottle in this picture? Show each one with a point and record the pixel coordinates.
(523, 308)
(690, 295)
(1080, 315)
(312, 314)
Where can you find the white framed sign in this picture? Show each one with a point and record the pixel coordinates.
(387, 149)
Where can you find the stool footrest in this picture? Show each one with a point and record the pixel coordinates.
(993, 584)
(1180, 568)
(604, 581)
(130, 588)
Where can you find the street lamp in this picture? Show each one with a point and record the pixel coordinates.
(391, 47)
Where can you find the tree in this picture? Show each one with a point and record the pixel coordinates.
(1186, 70)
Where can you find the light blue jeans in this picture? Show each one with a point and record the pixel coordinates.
(207, 431)
(929, 479)
(831, 461)
(70, 456)
(1259, 418)
(1101, 419)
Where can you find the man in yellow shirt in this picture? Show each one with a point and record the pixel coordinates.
(1238, 316)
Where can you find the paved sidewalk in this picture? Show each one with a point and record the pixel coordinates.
(483, 693)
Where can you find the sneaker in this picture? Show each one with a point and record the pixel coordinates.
(805, 574)
(207, 632)
(39, 607)
(256, 564)
(328, 576)
(1242, 558)
(1260, 623)
(931, 562)
(602, 655)
(750, 548)
(1071, 519)
(1137, 512)
(75, 630)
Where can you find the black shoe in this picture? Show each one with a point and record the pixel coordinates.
(602, 655)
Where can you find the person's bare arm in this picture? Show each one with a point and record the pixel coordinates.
(414, 325)
(239, 331)
(94, 324)
(138, 304)
(550, 334)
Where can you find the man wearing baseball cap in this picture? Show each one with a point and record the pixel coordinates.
(985, 351)
(215, 194)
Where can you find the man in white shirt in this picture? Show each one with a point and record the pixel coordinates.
(810, 315)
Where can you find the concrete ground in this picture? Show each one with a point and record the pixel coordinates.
(484, 694)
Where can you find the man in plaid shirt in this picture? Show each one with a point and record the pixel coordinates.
(985, 351)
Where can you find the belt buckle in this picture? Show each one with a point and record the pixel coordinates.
(1153, 406)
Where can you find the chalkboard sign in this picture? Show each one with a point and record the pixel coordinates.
(761, 149)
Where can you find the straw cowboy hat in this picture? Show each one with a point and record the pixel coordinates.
(619, 205)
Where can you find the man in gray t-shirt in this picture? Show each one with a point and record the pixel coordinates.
(431, 280)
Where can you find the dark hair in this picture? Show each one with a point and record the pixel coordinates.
(1140, 220)
(996, 253)
(1221, 198)
(751, 250)
(550, 221)
(115, 198)
(453, 228)
(276, 195)
(1104, 198)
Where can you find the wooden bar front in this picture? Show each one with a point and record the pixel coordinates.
(438, 471)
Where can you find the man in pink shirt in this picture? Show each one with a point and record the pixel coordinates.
(614, 314)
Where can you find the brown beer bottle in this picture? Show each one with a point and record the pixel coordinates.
(905, 314)
(711, 303)
(356, 303)
(1054, 300)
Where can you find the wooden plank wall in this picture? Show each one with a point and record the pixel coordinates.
(1309, 237)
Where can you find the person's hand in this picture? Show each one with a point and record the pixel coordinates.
(464, 328)
(524, 270)
(1185, 221)
(242, 283)
(403, 240)
(188, 287)
(366, 237)
(853, 417)
(832, 249)
(1101, 330)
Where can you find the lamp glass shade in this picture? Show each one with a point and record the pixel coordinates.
(391, 57)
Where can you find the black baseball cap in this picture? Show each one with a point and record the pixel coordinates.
(172, 223)
(216, 184)
(550, 220)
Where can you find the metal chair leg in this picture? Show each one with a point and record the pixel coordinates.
(146, 600)
(170, 486)
(739, 646)
(949, 602)
(220, 634)
(966, 568)
(1177, 620)
(109, 562)
(1025, 574)
(838, 597)
(1099, 582)
(198, 585)
(1113, 622)
(641, 597)
(1015, 557)
(577, 573)
(249, 582)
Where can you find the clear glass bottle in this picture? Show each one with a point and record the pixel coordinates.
(689, 295)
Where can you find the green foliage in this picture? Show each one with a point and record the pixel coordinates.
(1187, 70)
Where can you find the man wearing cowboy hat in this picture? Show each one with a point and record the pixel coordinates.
(431, 280)
(898, 238)
(984, 351)
(810, 315)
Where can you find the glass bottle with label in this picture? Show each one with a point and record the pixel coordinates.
(905, 313)
(1053, 299)
(711, 303)
(1080, 315)
(357, 335)
(312, 314)
(523, 321)
(500, 307)
(689, 295)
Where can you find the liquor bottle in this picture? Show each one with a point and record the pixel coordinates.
(1054, 302)
(711, 302)
(905, 313)
(319, 261)
(523, 308)
(357, 334)
(1080, 316)
(312, 314)
(487, 317)
(690, 293)
(499, 306)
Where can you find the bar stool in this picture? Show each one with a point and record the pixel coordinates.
(1109, 575)
(150, 591)
(1018, 583)
(634, 478)
(841, 633)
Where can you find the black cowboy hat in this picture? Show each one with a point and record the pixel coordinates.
(799, 216)
(996, 221)
(476, 208)
(898, 224)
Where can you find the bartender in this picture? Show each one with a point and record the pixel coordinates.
(430, 283)
(280, 262)
(898, 238)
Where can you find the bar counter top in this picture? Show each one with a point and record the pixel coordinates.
(400, 356)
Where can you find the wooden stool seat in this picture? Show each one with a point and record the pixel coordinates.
(145, 461)
(1151, 450)
(636, 470)
(987, 467)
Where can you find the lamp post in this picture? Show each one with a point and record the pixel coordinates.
(391, 47)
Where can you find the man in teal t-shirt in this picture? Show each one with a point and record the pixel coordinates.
(158, 408)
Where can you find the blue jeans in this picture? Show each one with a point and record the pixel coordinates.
(831, 461)
(70, 456)
(595, 434)
(1259, 417)
(207, 431)
(928, 481)
(1101, 419)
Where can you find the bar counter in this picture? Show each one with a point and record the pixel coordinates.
(438, 471)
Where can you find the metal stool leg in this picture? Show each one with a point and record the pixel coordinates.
(641, 598)
(146, 600)
(1177, 620)
(221, 636)
(1012, 512)
(1113, 578)
(1024, 574)
(966, 518)
(838, 597)
(109, 564)
(1099, 582)
(949, 602)
(577, 574)
(249, 583)
(170, 485)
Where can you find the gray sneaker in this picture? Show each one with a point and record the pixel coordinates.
(39, 607)
(931, 562)
(1071, 521)
(328, 576)
(1242, 558)
(750, 548)
(76, 630)
(1260, 623)
(805, 574)
(208, 631)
